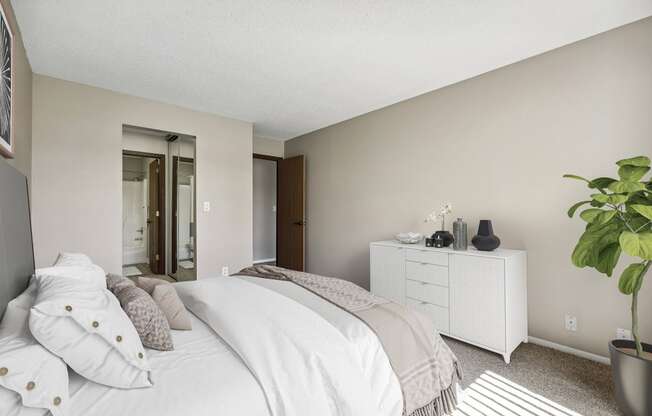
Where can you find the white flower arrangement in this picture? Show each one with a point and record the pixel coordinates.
(435, 215)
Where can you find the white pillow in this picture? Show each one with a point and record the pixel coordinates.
(38, 376)
(90, 272)
(85, 326)
(28, 372)
(73, 259)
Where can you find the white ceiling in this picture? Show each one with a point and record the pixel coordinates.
(292, 67)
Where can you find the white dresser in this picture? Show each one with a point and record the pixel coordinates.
(475, 296)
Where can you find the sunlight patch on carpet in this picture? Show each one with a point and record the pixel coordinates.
(494, 395)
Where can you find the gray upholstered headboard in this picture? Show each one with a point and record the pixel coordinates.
(16, 251)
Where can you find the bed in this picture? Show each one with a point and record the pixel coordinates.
(259, 346)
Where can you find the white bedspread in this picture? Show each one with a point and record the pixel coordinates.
(303, 363)
(204, 377)
(201, 377)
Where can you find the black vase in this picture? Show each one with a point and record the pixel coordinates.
(445, 236)
(485, 240)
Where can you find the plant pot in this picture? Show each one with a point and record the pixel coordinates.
(445, 236)
(632, 377)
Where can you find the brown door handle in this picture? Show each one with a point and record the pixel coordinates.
(299, 223)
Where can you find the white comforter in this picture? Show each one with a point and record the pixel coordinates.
(203, 376)
(304, 364)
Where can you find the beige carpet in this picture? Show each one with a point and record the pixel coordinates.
(538, 382)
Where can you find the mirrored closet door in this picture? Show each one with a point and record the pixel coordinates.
(158, 210)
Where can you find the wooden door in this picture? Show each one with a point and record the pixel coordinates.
(155, 217)
(290, 216)
(477, 300)
(387, 272)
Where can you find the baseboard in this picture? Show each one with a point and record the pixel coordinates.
(263, 261)
(569, 350)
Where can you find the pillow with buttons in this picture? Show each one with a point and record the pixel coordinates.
(85, 326)
(34, 374)
(90, 272)
(73, 259)
(30, 375)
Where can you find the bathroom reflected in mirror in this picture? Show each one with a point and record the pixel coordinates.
(183, 205)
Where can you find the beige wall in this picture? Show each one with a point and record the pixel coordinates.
(22, 99)
(77, 174)
(496, 146)
(267, 146)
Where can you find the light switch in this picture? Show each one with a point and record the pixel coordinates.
(273, 208)
(207, 206)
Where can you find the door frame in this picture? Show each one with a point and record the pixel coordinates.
(161, 202)
(274, 159)
(173, 260)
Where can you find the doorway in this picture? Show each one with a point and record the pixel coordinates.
(143, 213)
(279, 211)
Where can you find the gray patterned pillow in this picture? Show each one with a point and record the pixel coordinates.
(148, 319)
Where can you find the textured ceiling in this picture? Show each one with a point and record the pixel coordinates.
(292, 67)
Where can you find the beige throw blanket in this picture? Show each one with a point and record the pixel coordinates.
(426, 368)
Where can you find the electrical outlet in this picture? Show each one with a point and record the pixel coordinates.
(622, 333)
(225, 271)
(571, 323)
(207, 206)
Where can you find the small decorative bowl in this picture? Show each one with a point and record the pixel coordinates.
(409, 238)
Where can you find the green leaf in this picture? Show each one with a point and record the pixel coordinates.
(571, 210)
(579, 178)
(632, 173)
(601, 183)
(608, 259)
(613, 199)
(600, 216)
(594, 240)
(622, 187)
(644, 210)
(637, 245)
(635, 161)
(589, 215)
(632, 278)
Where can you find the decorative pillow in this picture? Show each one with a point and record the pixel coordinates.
(73, 259)
(92, 272)
(31, 371)
(150, 323)
(29, 374)
(166, 297)
(85, 326)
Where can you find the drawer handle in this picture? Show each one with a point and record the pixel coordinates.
(424, 303)
(423, 283)
(424, 264)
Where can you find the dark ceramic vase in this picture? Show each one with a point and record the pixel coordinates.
(445, 236)
(485, 240)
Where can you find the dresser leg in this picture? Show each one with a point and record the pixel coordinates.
(507, 358)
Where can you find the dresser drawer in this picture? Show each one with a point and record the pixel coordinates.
(426, 272)
(425, 256)
(440, 316)
(437, 295)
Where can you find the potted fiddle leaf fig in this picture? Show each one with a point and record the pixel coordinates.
(618, 216)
